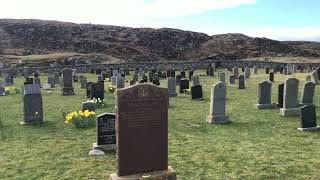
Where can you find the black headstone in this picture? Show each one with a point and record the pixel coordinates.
(308, 117)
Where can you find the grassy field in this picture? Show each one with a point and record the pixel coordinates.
(259, 144)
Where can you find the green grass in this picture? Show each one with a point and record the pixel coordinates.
(259, 144)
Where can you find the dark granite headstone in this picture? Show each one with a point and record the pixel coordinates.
(142, 129)
(89, 86)
(190, 75)
(184, 85)
(178, 79)
(66, 82)
(88, 106)
(308, 117)
(32, 104)
(232, 80)
(106, 132)
(196, 92)
(97, 91)
(280, 95)
(241, 82)
(271, 77)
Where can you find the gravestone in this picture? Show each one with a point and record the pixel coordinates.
(211, 71)
(190, 75)
(264, 96)
(66, 82)
(132, 82)
(184, 85)
(135, 77)
(90, 106)
(120, 82)
(83, 83)
(89, 86)
(183, 74)
(51, 81)
(195, 80)
(222, 77)
(241, 82)
(318, 72)
(178, 79)
(172, 87)
(280, 95)
(271, 77)
(106, 132)
(255, 70)
(142, 133)
(32, 108)
(289, 69)
(56, 76)
(37, 81)
(98, 71)
(308, 119)
(196, 92)
(232, 79)
(28, 81)
(114, 80)
(75, 78)
(218, 104)
(247, 73)
(235, 72)
(290, 98)
(97, 91)
(314, 77)
(267, 70)
(308, 93)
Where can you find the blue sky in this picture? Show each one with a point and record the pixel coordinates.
(276, 19)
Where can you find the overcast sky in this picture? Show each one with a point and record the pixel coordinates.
(275, 19)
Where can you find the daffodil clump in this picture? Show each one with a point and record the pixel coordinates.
(81, 119)
(111, 88)
(99, 102)
(11, 89)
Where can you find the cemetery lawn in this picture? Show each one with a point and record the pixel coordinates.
(259, 144)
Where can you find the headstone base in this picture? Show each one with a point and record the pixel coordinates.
(31, 123)
(67, 91)
(104, 148)
(173, 95)
(169, 174)
(310, 129)
(217, 119)
(266, 106)
(199, 99)
(290, 112)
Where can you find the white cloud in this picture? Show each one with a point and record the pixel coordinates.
(284, 34)
(121, 12)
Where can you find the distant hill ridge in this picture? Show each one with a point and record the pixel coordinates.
(34, 37)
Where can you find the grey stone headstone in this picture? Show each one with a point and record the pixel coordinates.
(264, 96)
(195, 80)
(290, 98)
(120, 82)
(308, 93)
(114, 80)
(115, 73)
(218, 104)
(247, 73)
(235, 72)
(222, 77)
(172, 87)
(314, 77)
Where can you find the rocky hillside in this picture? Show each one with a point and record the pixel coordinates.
(36, 37)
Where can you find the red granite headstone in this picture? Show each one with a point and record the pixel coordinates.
(142, 129)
